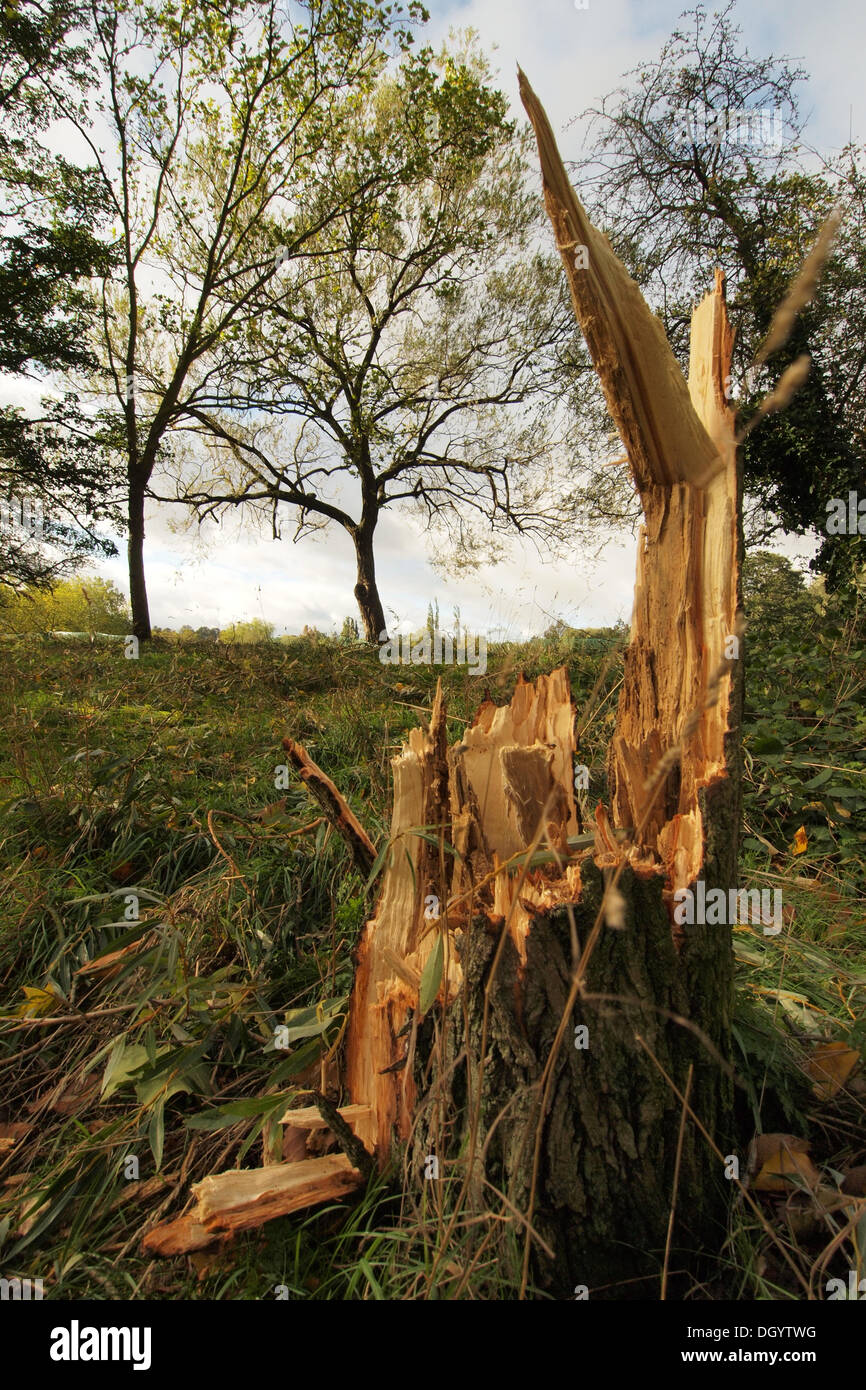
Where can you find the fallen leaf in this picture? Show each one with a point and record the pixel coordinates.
(207, 1262)
(11, 1133)
(39, 1002)
(764, 1146)
(780, 1168)
(854, 1182)
(112, 963)
(830, 1067)
(772, 1156)
(801, 843)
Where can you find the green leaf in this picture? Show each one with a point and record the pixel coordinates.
(377, 864)
(431, 977)
(248, 1108)
(122, 1064)
(767, 743)
(823, 776)
(156, 1133)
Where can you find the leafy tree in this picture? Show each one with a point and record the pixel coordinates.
(86, 604)
(248, 634)
(678, 194)
(776, 599)
(216, 120)
(52, 218)
(413, 357)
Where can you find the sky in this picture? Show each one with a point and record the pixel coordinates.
(573, 57)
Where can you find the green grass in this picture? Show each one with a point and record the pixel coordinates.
(156, 778)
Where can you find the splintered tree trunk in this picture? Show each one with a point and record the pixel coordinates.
(528, 1020)
(573, 1014)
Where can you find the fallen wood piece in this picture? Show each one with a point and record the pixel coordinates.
(179, 1237)
(334, 805)
(242, 1199)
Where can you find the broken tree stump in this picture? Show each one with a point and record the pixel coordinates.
(537, 1021)
(585, 1014)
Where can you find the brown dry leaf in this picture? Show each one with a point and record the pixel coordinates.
(830, 1067)
(28, 1214)
(11, 1133)
(773, 1175)
(764, 1146)
(854, 1183)
(75, 1097)
(111, 963)
(207, 1262)
(774, 1154)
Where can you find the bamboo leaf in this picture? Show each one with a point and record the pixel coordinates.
(431, 976)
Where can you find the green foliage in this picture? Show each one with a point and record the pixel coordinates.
(241, 930)
(249, 633)
(675, 204)
(776, 599)
(805, 731)
(53, 238)
(89, 604)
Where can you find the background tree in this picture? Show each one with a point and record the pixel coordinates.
(177, 84)
(52, 239)
(411, 356)
(678, 194)
(775, 597)
(86, 604)
(248, 633)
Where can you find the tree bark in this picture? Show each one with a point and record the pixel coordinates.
(366, 589)
(135, 551)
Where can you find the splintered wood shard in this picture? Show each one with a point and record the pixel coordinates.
(644, 388)
(487, 797)
(674, 714)
(243, 1198)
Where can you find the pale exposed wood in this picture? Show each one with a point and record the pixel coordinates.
(382, 996)
(179, 1237)
(644, 388)
(310, 1118)
(488, 794)
(680, 444)
(685, 609)
(244, 1198)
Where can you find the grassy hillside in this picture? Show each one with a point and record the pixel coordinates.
(151, 787)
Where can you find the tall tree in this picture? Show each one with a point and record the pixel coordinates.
(696, 163)
(52, 240)
(411, 357)
(264, 89)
